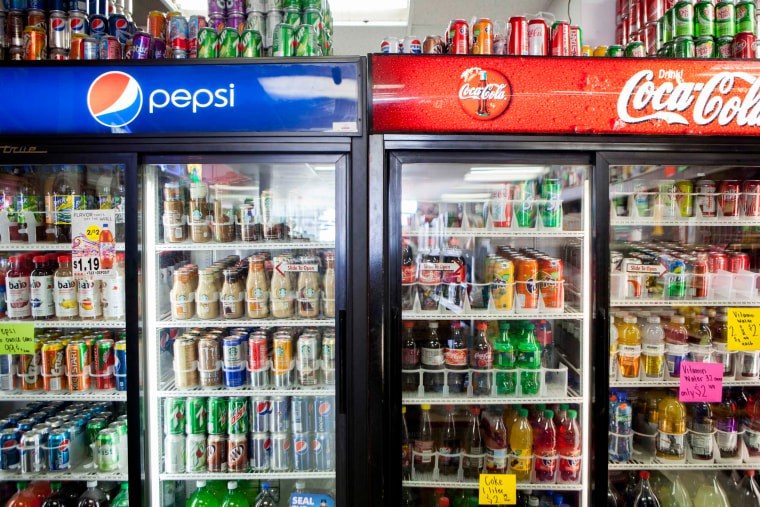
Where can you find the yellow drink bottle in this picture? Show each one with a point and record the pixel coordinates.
(629, 348)
(671, 434)
(521, 445)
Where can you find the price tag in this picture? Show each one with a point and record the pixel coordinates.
(311, 500)
(93, 247)
(16, 339)
(497, 489)
(744, 329)
(701, 382)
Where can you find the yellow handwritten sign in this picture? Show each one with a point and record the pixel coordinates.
(498, 489)
(16, 339)
(744, 329)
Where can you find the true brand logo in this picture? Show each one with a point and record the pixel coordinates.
(708, 101)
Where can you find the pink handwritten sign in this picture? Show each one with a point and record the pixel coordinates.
(701, 382)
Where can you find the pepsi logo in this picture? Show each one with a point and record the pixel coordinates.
(268, 445)
(58, 24)
(97, 25)
(324, 408)
(286, 445)
(64, 445)
(77, 25)
(114, 99)
(121, 24)
(262, 408)
(317, 446)
(301, 447)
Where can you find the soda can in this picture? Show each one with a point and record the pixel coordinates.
(328, 359)
(527, 287)
(742, 47)
(77, 354)
(261, 413)
(207, 43)
(178, 33)
(256, 21)
(274, 5)
(260, 451)
(10, 438)
(216, 453)
(229, 47)
(459, 38)
(233, 347)
(103, 350)
(560, 45)
(411, 45)
(53, 366)
(728, 198)
(98, 24)
(174, 415)
(683, 19)
(217, 7)
(237, 452)
(274, 18)
(717, 261)
(280, 414)
(704, 47)
(196, 419)
(237, 416)
(59, 455)
(120, 365)
(676, 279)
(281, 363)
(217, 22)
(576, 40)
(724, 47)
(255, 6)
(194, 24)
(158, 52)
(195, 453)
(482, 36)
(751, 198)
(118, 23)
(635, 49)
(31, 453)
(307, 349)
(141, 50)
(156, 24)
(655, 9)
(698, 269)
(257, 351)
(538, 37)
(684, 47)
(302, 461)
(725, 20)
(236, 20)
(323, 448)
(324, 414)
(390, 45)
(551, 209)
(34, 43)
(302, 413)
(15, 28)
(120, 426)
(209, 362)
(280, 461)
(292, 17)
(550, 282)
(174, 453)
(685, 198)
(738, 261)
(217, 415)
(235, 6)
(8, 373)
(306, 41)
(704, 18)
(705, 201)
(745, 17)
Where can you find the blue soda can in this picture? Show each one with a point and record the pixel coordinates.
(120, 365)
(233, 361)
(141, 43)
(676, 284)
(261, 414)
(15, 417)
(39, 416)
(280, 414)
(91, 49)
(18, 4)
(36, 4)
(9, 452)
(260, 451)
(58, 5)
(59, 456)
(323, 447)
(96, 6)
(117, 23)
(324, 413)
(7, 372)
(301, 452)
(5, 423)
(98, 24)
(302, 414)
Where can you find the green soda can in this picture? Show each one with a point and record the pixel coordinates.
(635, 49)
(704, 18)
(314, 18)
(683, 19)
(282, 40)
(306, 41)
(551, 212)
(293, 4)
(725, 24)
(667, 26)
(525, 192)
(217, 416)
(108, 450)
(94, 426)
(684, 47)
(237, 415)
(615, 51)
(724, 47)
(669, 49)
(174, 416)
(313, 4)
(120, 426)
(292, 17)
(196, 418)
(250, 44)
(208, 43)
(745, 17)
(229, 43)
(704, 47)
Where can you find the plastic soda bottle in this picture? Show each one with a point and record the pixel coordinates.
(521, 443)
(543, 332)
(621, 415)
(613, 348)
(671, 430)
(529, 358)
(727, 426)
(674, 494)
(448, 444)
(752, 426)
(646, 496)
(59, 498)
(497, 447)
(265, 498)
(472, 461)
(481, 358)
(629, 348)
(569, 448)
(122, 498)
(545, 448)
(93, 496)
(653, 348)
(235, 498)
(432, 358)
(505, 357)
(406, 449)
(747, 493)
(455, 357)
(676, 345)
(410, 359)
(710, 494)
(424, 444)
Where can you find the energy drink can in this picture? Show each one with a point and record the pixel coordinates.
(120, 365)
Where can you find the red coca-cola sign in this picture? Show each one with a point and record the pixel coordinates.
(416, 93)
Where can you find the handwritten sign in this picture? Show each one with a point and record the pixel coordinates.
(498, 489)
(16, 339)
(744, 329)
(701, 382)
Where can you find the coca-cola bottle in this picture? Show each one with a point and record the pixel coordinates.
(432, 359)
(408, 276)
(483, 100)
(473, 458)
(456, 359)
(410, 360)
(406, 449)
(481, 358)
(448, 445)
(424, 444)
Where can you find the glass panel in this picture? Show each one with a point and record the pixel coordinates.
(62, 401)
(684, 258)
(493, 339)
(245, 344)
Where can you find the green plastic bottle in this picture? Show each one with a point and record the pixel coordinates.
(122, 498)
(234, 498)
(203, 496)
(529, 358)
(504, 359)
(218, 489)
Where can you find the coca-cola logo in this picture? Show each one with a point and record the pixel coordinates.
(485, 94)
(726, 97)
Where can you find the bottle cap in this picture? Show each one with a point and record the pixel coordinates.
(644, 474)
(200, 484)
(443, 502)
(233, 485)
(523, 412)
(653, 320)
(403, 410)
(541, 407)
(677, 319)
(13, 258)
(119, 257)
(425, 407)
(266, 485)
(572, 414)
(433, 325)
(564, 406)
(558, 499)
(530, 327)
(503, 324)
(92, 484)
(450, 408)
(549, 413)
(482, 326)
(300, 485)
(750, 473)
(474, 411)
(456, 325)
(440, 491)
(39, 259)
(629, 319)
(408, 324)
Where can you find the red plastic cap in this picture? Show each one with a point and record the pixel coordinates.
(119, 257)
(13, 258)
(475, 411)
(750, 473)
(482, 326)
(456, 325)
(64, 258)
(450, 408)
(644, 474)
(51, 256)
(443, 502)
(39, 259)
(408, 324)
(440, 491)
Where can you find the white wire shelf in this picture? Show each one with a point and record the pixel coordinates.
(568, 314)
(651, 465)
(488, 400)
(255, 245)
(682, 302)
(242, 476)
(495, 233)
(43, 247)
(41, 395)
(170, 390)
(727, 382)
(78, 474)
(474, 485)
(246, 323)
(113, 324)
(693, 221)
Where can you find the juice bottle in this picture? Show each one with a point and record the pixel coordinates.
(629, 348)
(545, 448)
(107, 248)
(424, 444)
(496, 443)
(676, 345)
(112, 294)
(613, 348)
(41, 289)
(727, 426)
(569, 448)
(65, 290)
(18, 290)
(720, 345)
(521, 444)
(671, 428)
(653, 348)
(529, 358)
(700, 340)
(701, 428)
(674, 494)
(23, 497)
(511, 414)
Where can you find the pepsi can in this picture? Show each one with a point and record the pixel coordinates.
(280, 452)
(78, 22)
(302, 452)
(260, 451)
(110, 48)
(120, 365)
(323, 448)
(59, 456)
(98, 24)
(7, 362)
(21, 5)
(323, 413)
(58, 37)
(140, 49)
(36, 5)
(58, 5)
(302, 414)
(38, 416)
(117, 23)
(31, 454)
(14, 417)
(261, 409)
(280, 414)
(9, 450)
(5, 423)
(25, 425)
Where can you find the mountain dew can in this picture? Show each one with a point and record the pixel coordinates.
(237, 415)
(282, 40)
(250, 44)
(307, 43)
(229, 43)
(207, 43)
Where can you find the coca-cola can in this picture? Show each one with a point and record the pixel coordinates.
(653, 38)
(390, 45)
(751, 198)
(538, 37)
(432, 45)
(621, 34)
(739, 261)
(655, 10)
(730, 191)
(642, 13)
(576, 40)
(518, 36)
(560, 45)
(742, 47)
(411, 45)
(500, 46)
(634, 18)
(717, 261)
(621, 11)
(459, 38)
(706, 202)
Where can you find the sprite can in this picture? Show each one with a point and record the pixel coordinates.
(94, 427)
(684, 47)
(313, 4)
(704, 18)
(217, 416)
(615, 51)
(667, 26)
(705, 47)
(551, 211)
(635, 49)
(725, 24)
(525, 210)
(745, 17)
(683, 19)
(229, 43)
(293, 4)
(292, 17)
(250, 44)
(207, 43)
(307, 43)
(120, 426)
(174, 416)
(724, 47)
(195, 453)
(283, 40)
(195, 416)
(237, 415)
(108, 450)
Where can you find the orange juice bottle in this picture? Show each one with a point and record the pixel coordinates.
(107, 248)
(629, 347)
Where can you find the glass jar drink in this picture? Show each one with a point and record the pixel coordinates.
(174, 214)
(257, 289)
(199, 212)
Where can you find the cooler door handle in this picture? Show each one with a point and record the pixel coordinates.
(342, 360)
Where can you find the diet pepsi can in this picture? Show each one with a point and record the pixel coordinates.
(59, 445)
(280, 452)
(260, 451)
(261, 411)
(323, 448)
(280, 414)
(32, 456)
(302, 413)
(302, 452)
(59, 34)
(98, 24)
(324, 413)
(10, 438)
(78, 22)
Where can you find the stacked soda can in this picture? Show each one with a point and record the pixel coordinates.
(78, 361)
(168, 35)
(61, 436)
(687, 29)
(519, 35)
(241, 434)
(283, 358)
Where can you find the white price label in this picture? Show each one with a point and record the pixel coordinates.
(93, 244)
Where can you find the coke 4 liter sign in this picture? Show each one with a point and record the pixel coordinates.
(181, 98)
(417, 93)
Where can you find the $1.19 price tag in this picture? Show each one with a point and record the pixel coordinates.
(497, 489)
(93, 246)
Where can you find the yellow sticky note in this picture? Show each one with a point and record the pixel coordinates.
(497, 489)
(744, 329)
(16, 339)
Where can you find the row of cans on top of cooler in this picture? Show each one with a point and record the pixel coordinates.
(286, 41)
(59, 24)
(238, 415)
(248, 6)
(89, 6)
(741, 45)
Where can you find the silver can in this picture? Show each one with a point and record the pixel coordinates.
(328, 359)
(261, 413)
(272, 5)
(280, 416)
(59, 32)
(390, 45)
(7, 362)
(195, 453)
(256, 21)
(306, 359)
(281, 452)
(274, 18)
(32, 455)
(174, 453)
(260, 452)
(255, 6)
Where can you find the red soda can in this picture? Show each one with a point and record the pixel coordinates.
(560, 38)
(739, 261)
(482, 37)
(459, 38)
(729, 197)
(634, 17)
(751, 197)
(669, 4)
(447, 35)
(621, 11)
(742, 47)
(717, 261)
(538, 37)
(58, 54)
(655, 10)
(518, 36)
(621, 34)
(642, 13)
(576, 42)
(110, 48)
(699, 279)
(651, 39)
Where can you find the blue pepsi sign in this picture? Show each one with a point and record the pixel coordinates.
(181, 98)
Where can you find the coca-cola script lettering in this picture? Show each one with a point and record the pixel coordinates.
(484, 93)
